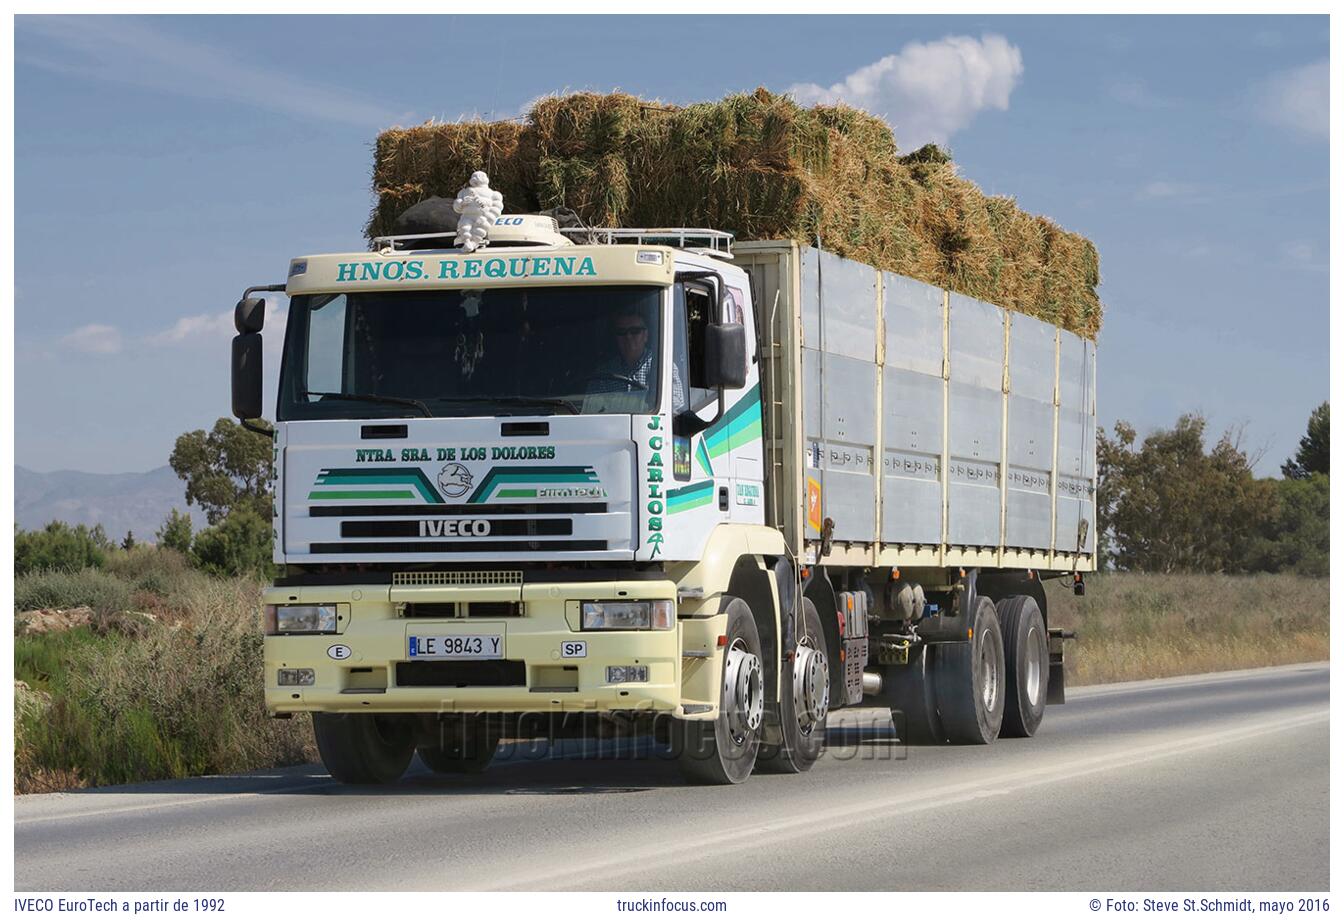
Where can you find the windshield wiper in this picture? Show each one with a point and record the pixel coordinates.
(513, 401)
(371, 397)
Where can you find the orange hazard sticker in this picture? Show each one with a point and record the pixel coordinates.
(813, 504)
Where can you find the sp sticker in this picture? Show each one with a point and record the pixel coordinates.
(339, 652)
(574, 649)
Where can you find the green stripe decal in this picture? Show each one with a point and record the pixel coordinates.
(739, 425)
(516, 493)
(702, 456)
(513, 475)
(408, 477)
(692, 496)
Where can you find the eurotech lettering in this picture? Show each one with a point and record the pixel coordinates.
(467, 269)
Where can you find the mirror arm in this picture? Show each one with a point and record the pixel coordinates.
(691, 424)
(247, 423)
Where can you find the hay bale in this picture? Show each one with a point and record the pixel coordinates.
(763, 167)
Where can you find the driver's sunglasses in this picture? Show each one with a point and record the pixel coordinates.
(630, 331)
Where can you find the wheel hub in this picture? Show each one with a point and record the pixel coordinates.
(811, 687)
(744, 702)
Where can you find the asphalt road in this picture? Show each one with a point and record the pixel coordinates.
(1212, 783)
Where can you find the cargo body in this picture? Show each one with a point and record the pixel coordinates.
(912, 426)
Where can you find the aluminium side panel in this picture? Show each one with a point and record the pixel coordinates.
(1072, 486)
(912, 412)
(975, 421)
(1088, 511)
(1031, 419)
(840, 380)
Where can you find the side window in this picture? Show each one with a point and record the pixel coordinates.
(692, 305)
(326, 345)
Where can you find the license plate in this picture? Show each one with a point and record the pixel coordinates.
(455, 646)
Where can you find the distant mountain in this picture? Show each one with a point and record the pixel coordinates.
(137, 502)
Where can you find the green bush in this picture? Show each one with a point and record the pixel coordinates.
(103, 591)
(59, 546)
(238, 545)
(180, 700)
(176, 532)
(157, 569)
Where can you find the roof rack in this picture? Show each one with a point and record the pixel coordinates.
(715, 241)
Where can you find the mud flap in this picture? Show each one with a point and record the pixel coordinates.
(1054, 693)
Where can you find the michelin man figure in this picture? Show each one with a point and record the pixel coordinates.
(480, 206)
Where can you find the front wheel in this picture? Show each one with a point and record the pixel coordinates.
(363, 748)
(805, 698)
(723, 751)
(463, 745)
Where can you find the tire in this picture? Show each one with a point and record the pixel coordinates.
(968, 678)
(908, 691)
(1026, 650)
(363, 749)
(723, 752)
(464, 745)
(806, 689)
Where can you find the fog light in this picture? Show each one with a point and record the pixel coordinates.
(295, 677)
(628, 674)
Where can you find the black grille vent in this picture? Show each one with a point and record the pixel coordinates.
(449, 611)
(355, 548)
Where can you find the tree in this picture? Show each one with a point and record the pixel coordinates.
(1168, 505)
(226, 468)
(176, 532)
(238, 545)
(1297, 539)
(59, 546)
(1313, 450)
(129, 541)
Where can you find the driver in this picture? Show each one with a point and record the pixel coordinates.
(629, 369)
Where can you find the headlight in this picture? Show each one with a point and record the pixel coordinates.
(304, 618)
(628, 615)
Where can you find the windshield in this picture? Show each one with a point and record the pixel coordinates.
(505, 351)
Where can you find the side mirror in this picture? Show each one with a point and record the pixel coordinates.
(726, 356)
(250, 315)
(247, 375)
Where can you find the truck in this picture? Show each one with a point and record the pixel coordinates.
(659, 481)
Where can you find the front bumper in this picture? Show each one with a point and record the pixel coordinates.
(367, 666)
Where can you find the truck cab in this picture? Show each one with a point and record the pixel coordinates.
(497, 474)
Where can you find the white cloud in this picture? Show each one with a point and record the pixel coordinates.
(1297, 99)
(1300, 254)
(94, 339)
(127, 51)
(219, 326)
(1160, 188)
(928, 91)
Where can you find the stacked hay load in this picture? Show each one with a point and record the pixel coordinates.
(762, 167)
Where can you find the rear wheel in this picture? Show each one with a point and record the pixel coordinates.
(464, 745)
(969, 680)
(1026, 652)
(724, 750)
(908, 690)
(805, 696)
(364, 748)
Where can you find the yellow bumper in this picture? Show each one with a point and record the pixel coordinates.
(367, 665)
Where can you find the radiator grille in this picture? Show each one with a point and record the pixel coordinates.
(498, 577)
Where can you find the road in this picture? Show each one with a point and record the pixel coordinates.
(1211, 783)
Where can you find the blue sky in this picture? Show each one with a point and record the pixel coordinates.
(162, 164)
